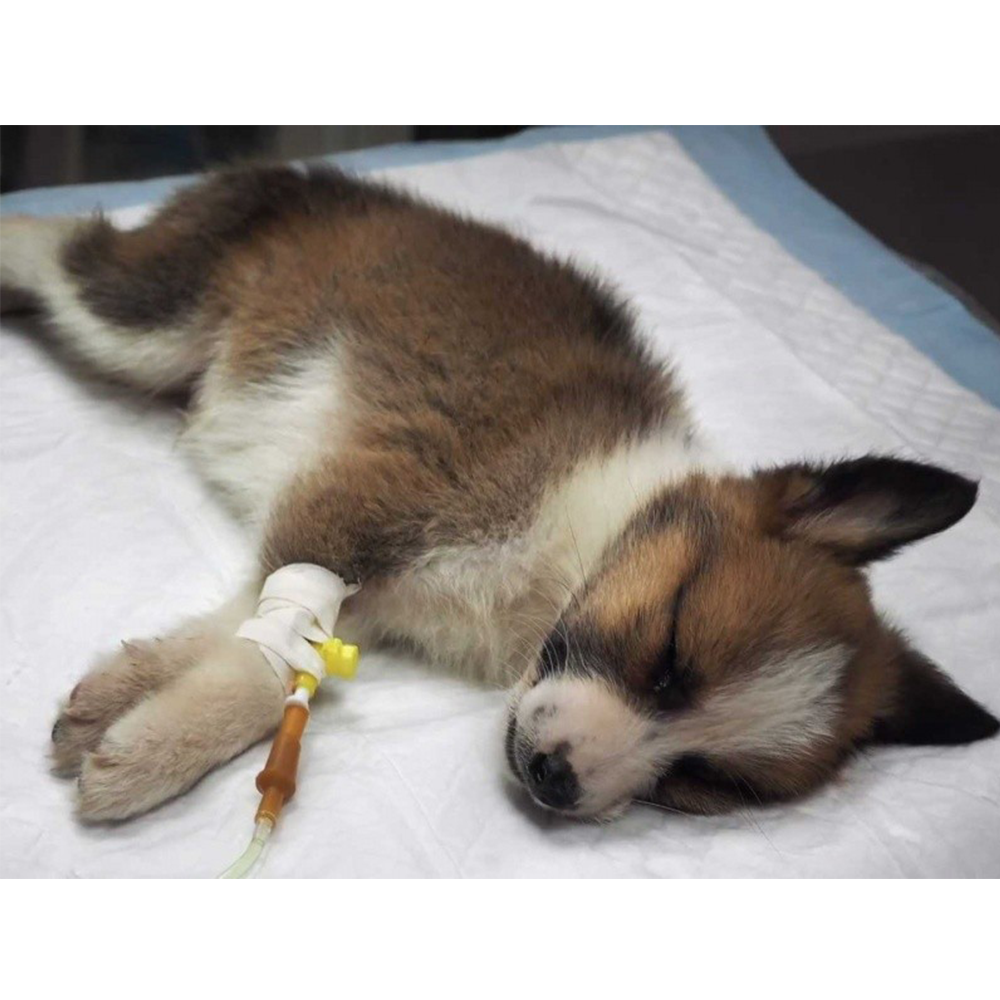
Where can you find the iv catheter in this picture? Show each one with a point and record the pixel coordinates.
(276, 782)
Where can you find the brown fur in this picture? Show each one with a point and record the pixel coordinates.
(479, 370)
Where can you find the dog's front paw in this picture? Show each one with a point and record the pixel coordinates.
(110, 690)
(148, 755)
(166, 742)
(119, 780)
(96, 701)
(142, 735)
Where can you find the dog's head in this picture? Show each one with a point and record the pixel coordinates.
(726, 652)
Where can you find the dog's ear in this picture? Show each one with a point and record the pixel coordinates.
(927, 707)
(863, 509)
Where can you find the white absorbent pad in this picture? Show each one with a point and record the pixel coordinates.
(108, 534)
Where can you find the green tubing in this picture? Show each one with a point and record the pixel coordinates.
(241, 867)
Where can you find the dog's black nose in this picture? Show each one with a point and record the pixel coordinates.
(553, 781)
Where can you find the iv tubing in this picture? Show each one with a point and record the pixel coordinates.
(276, 783)
(241, 867)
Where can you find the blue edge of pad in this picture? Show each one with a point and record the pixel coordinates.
(742, 162)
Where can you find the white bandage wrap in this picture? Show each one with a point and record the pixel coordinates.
(299, 604)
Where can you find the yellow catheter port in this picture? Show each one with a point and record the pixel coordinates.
(276, 782)
(341, 659)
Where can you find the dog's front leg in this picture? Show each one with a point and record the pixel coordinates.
(146, 724)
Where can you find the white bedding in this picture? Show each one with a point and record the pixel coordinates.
(107, 534)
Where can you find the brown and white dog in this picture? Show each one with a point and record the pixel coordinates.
(477, 434)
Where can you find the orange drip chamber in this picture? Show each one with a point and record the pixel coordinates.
(276, 782)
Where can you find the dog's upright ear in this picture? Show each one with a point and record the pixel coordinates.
(927, 707)
(863, 509)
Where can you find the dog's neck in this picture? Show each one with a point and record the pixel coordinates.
(587, 512)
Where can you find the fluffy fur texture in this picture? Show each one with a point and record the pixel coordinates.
(478, 435)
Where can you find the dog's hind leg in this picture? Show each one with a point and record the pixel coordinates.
(144, 305)
(102, 299)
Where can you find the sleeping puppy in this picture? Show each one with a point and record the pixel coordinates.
(478, 436)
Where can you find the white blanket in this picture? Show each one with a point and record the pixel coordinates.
(107, 534)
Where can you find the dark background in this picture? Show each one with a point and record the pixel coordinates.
(932, 193)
